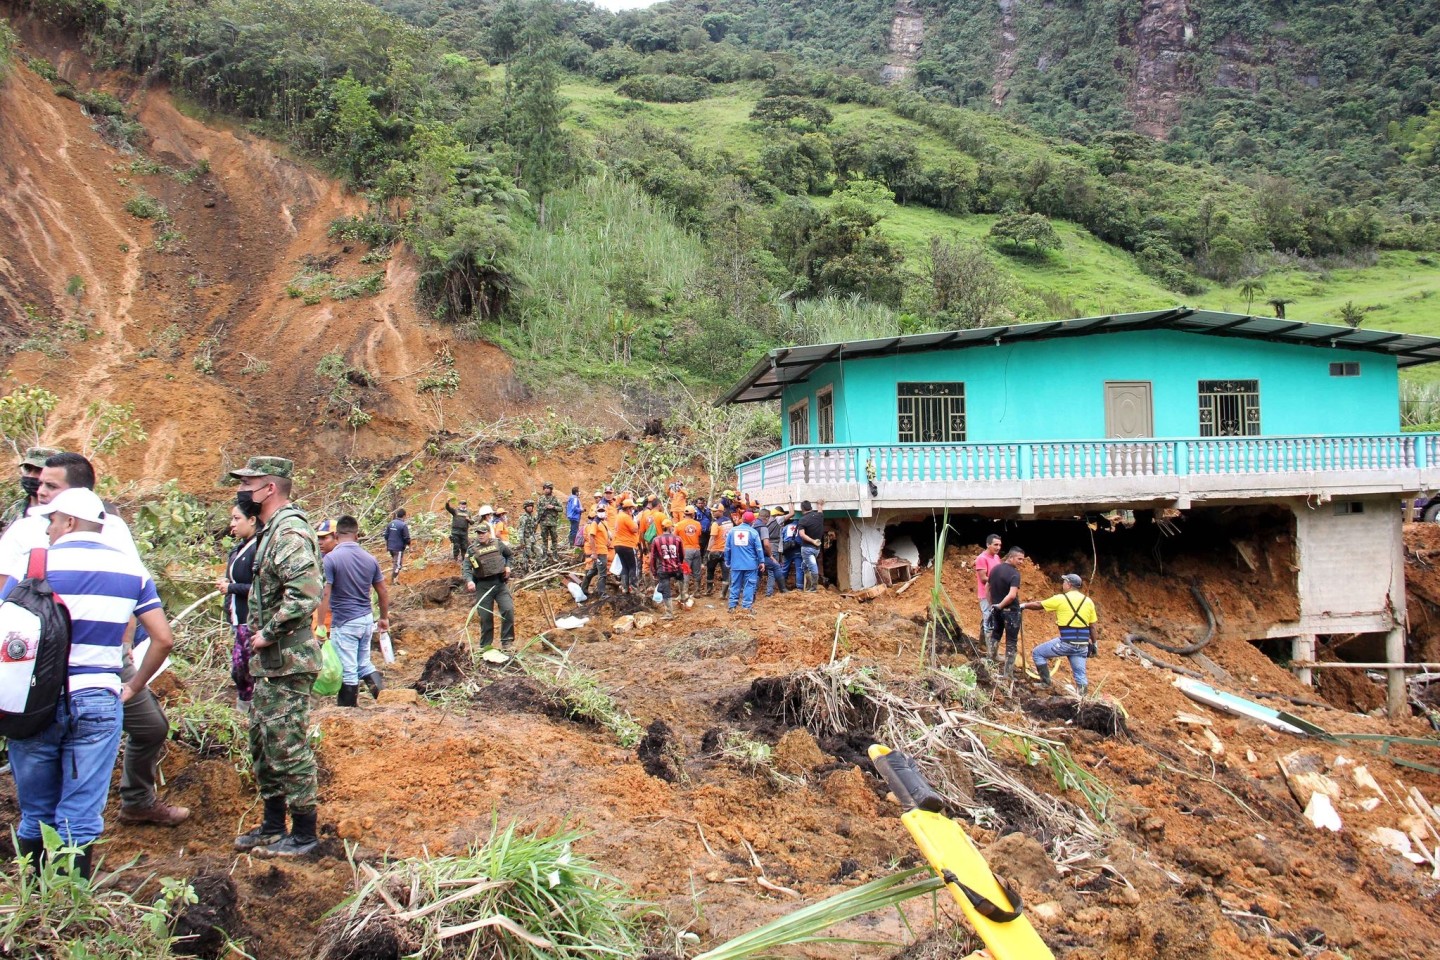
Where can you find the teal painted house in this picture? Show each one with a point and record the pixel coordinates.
(1177, 373)
(1164, 410)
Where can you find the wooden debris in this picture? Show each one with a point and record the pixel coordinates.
(1216, 747)
(1191, 719)
(868, 594)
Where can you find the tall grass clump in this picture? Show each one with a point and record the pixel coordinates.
(834, 319)
(516, 895)
(47, 911)
(606, 247)
(580, 693)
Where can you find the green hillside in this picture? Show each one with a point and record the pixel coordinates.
(622, 205)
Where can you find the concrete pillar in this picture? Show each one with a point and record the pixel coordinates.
(1303, 648)
(866, 537)
(1395, 698)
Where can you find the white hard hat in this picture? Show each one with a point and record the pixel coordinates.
(486, 511)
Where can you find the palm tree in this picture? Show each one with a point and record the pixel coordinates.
(1250, 288)
(1279, 303)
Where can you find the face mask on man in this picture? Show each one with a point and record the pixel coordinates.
(245, 500)
(31, 485)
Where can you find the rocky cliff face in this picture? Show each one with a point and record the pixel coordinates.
(907, 33)
(1163, 41)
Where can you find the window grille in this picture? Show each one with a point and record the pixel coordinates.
(1349, 368)
(800, 424)
(1229, 408)
(825, 416)
(931, 412)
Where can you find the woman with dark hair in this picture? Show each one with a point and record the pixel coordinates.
(235, 585)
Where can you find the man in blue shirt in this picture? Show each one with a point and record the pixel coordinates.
(62, 774)
(744, 555)
(350, 574)
(397, 541)
(574, 510)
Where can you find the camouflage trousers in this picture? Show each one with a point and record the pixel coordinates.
(280, 752)
(550, 537)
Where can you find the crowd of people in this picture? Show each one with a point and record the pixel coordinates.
(682, 548)
(287, 585)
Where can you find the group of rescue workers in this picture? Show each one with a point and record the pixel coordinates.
(287, 583)
(681, 547)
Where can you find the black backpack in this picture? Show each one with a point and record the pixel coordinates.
(34, 653)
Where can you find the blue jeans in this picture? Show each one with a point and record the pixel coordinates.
(809, 563)
(746, 580)
(352, 646)
(778, 570)
(1051, 649)
(62, 774)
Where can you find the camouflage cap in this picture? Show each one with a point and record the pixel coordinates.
(482, 528)
(547, 485)
(36, 456)
(265, 467)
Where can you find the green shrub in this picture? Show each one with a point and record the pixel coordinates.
(667, 88)
(47, 911)
(100, 103)
(142, 206)
(44, 69)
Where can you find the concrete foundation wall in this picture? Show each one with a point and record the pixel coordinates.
(1352, 565)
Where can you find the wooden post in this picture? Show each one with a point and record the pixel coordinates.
(1302, 649)
(1395, 694)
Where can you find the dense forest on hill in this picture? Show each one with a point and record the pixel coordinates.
(683, 187)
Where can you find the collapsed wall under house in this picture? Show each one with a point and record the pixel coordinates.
(1332, 569)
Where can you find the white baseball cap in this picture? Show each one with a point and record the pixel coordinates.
(77, 502)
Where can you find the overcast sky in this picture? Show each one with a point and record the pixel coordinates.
(624, 4)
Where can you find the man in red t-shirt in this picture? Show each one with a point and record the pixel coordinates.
(984, 563)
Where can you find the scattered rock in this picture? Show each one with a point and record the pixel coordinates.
(1154, 827)
(797, 753)
(623, 624)
(643, 620)
(437, 593)
(1263, 855)
(1207, 863)
(1049, 911)
(1019, 858)
(396, 695)
(351, 828)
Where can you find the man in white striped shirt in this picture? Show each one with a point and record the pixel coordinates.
(145, 723)
(62, 775)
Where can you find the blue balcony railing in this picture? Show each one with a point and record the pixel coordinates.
(836, 464)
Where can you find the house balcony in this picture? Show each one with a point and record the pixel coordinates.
(1058, 475)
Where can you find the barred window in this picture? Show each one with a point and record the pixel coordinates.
(931, 412)
(1229, 408)
(800, 424)
(825, 415)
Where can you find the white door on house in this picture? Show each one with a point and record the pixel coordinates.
(1128, 411)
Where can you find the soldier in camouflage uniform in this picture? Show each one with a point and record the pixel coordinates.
(550, 513)
(30, 468)
(529, 539)
(284, 595)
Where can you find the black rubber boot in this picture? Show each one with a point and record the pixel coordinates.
(376, 683)
(301, 839)
(271, 829)
(81, 864)
(349, 695)
(34, 849)
(1044, 670)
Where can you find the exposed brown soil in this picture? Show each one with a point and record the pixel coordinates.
(1207, 854)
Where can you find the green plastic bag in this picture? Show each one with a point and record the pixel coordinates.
(327, 682)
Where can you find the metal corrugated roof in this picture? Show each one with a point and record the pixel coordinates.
(786, 365)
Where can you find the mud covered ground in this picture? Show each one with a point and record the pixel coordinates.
(1206, 853)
